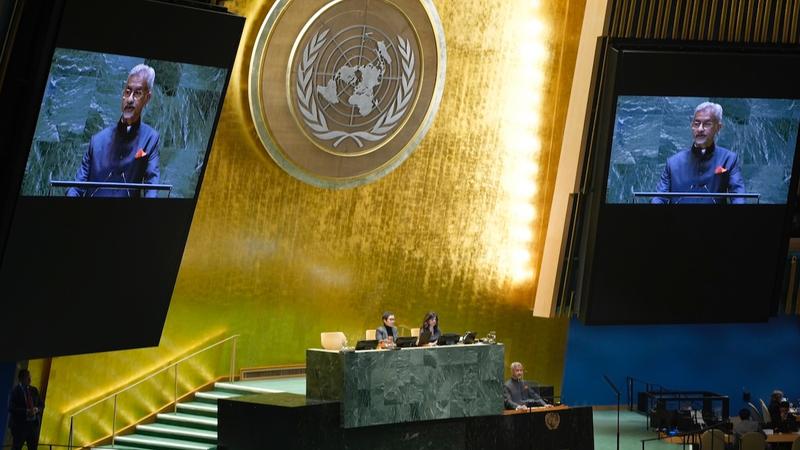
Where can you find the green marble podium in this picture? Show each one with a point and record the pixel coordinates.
(377, 387)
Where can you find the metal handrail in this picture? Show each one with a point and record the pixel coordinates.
(697, 194)
(629, 381)
(50, 446)
(712, 195)
(114, 395)
(111, 185)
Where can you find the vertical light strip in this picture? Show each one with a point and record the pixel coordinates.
(704, 28)
(520, 137)
(657, 32)
(650, 14)
(640, 19)
(776, 25)
(757, 31)
(785, 21)
(723, 21)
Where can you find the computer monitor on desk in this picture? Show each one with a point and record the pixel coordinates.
(424, 337)
(406, 341)
(369, 344)
(448, 339)
(469, 337)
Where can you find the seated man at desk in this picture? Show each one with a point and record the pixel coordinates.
(785, 422)
(518, 393)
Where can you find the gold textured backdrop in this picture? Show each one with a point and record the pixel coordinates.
(279, 261)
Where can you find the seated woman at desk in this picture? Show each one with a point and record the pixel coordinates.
(429, 331)
(386, 333)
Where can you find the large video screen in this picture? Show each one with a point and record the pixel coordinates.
(688, 184)
(108, 126)
(689, 150)
(106, 130)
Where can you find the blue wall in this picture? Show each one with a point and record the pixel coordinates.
(720, 358)
(7, 375)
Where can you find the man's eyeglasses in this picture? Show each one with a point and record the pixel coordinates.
(136, 93)
(705, 125)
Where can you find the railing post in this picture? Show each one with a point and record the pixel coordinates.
(175, 396)
(114, 423)
(232, 370)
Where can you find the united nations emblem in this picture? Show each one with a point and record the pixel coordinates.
(552, 420)
(354, 93)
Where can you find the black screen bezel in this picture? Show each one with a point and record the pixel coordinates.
(97, 274)
(613, 269)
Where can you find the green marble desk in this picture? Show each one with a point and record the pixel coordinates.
(378, 387)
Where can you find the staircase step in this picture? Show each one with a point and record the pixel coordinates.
(200, 408)
(154, 442)
(242, 389)
(189, 420)
(213, 396)
(177, 432)
(119, 447)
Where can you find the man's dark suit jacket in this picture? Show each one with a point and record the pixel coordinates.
(717, 171)
(18, 407)
(520, 392)
(119, 155)
(381, 334)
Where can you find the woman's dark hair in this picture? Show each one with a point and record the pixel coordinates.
(386, 315)
(428, 317)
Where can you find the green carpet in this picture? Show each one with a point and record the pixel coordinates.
(631, 432)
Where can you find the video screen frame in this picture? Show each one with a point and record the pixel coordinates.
(100, 256)
(653, 150)
(648, 264)
(84, 146)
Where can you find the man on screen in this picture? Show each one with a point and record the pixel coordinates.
(126, 152)
(705, 167)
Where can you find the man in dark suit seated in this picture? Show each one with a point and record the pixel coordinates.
(25, 408)
(705, 167)
(785, 422)
(518, 393)
(127, 151)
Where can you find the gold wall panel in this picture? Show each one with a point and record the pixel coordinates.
(279, 261)
(751, 21)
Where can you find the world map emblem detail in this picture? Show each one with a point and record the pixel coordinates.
(362, 83)
(350, 92)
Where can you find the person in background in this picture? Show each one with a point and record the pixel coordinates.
(744, 425)
(518, 393)
(387, 333)
(431, 325)
(25, 413)
(785, 422)
(774, 406)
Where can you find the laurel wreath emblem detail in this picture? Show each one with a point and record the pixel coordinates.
(314, 117)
